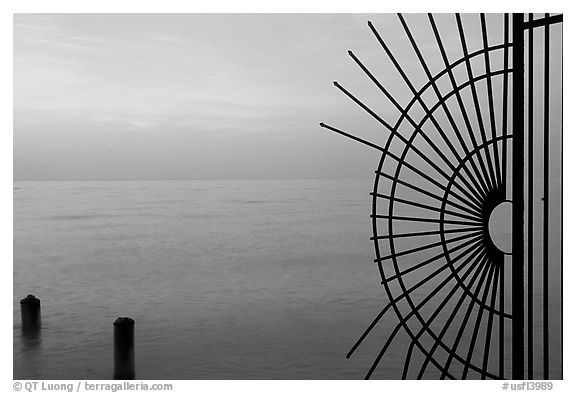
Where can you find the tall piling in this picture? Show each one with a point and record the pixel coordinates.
(124, 348)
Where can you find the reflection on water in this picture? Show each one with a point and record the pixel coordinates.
(31, 338)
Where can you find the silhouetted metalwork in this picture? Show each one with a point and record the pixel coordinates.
(444, 169)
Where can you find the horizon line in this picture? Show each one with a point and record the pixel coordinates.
(205, 179)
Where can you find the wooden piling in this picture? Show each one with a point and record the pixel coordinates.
(30, 313)
(124, 348)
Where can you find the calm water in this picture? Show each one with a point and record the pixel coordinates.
(225, 279)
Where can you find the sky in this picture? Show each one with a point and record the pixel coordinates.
(204, 96)
(181, 96)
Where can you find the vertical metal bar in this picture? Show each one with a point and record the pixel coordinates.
(505, 102)
(518, 197)
(562, 205)
(501, 326)
(530, 228)
(545, 343)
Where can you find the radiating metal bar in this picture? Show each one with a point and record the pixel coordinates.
(475, 197)
(461, 105)
(485, 145)
(420, 219)
(468, 202)
(427, 193)
(486, 267)
(404, 163)
(471, 247)
(518, 197)
(417, 95)
(466, 84)
(357, 139)
(478, 252)
(448, 70)
(407, 81)
(383, 350)
(436, 90)
(490, 321)
(407, 361)
(414, 310)
(411, 303)
(449, 67)
(476, 246)
(477, 188)
(475, 99)
(402, 73)
(490, 97)
(473, 241)
(489, 269)
(545, 327)
(369, 329)
(395, 179)
(427, 207)
(426, 247)
(477, 325)
(530, 209)
(424, 233)
(415, 340)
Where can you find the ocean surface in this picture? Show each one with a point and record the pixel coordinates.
(267, 279)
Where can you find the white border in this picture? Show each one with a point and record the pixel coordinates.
(352, 6)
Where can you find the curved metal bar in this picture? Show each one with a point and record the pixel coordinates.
(381, 270)
(390, 227)
(445, 197)
(375, 229)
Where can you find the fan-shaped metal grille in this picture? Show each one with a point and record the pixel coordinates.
(443, 171)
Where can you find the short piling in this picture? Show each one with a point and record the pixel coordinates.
(30, 313)
(124, 348)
